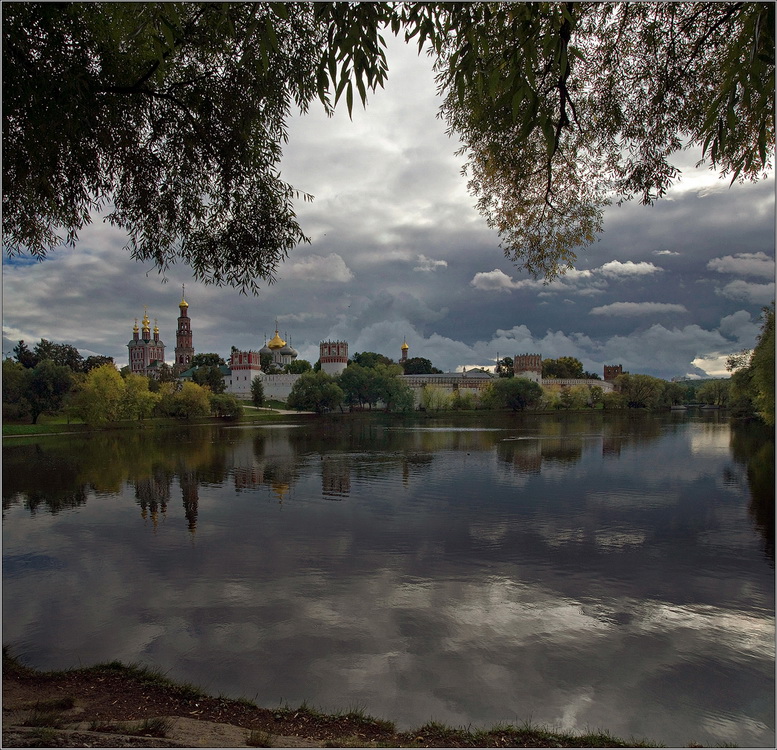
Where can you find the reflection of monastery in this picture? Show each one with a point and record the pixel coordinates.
(147, 352)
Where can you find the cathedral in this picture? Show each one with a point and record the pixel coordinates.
(146, 353)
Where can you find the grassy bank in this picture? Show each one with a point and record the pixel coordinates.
(56, 425)
(120, 698)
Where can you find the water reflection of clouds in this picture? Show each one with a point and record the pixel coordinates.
(538, 595)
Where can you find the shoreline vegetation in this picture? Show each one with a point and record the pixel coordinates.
(128, 705)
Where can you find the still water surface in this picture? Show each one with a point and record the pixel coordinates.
(579, 571)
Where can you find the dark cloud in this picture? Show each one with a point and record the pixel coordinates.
(397, 249)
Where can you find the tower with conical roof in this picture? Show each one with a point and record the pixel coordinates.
(184, 351)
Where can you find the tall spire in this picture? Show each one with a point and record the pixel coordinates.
(183, 303)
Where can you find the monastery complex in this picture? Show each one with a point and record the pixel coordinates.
(147, 355)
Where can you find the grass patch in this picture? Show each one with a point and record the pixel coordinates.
(152, 677)
(434, 734)
(154, 727)
(259, 738)
(247, 702)
(65, 703)
(51, 719)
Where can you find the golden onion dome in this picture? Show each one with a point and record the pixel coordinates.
(146, 321)
(276, 342)
(404, 346)
(183, 303)
(135, 328)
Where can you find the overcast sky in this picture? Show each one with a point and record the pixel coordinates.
(398, 251)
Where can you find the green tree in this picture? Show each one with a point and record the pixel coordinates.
(357, 385)
(102, 398)
(419, 366)
(762, 366)
(208, 359)
(576, 397)
(24, 356)
(95, 360)
(563, 367)
(210, 376)
(752, 378)
(315, 391)
(225, 405)
(714, 392)
(191, 401)
(675, 394)
(60, 354)
(597, 395)
(389, 388)
(15, 377)
(48, 384)
(180, 125)
(640, 391)
(504, 367)
(371, 359)
(268, 366)
(614, 400)
(297, 367)
(512, 393)
(137, 401)
(465, 401)
(435, 398)
(257, 391)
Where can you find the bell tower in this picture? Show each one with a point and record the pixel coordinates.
(184, 351)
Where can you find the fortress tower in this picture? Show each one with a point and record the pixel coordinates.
(612, 371)
(184, 351)
(528, 366)
(333, 356)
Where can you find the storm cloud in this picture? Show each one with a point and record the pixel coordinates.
(397, 251)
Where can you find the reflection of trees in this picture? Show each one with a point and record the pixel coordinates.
(39, 479)
(60, 472)
(752, 444)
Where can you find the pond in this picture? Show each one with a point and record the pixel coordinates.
(579, 571)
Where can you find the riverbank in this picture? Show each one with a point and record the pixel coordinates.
(252, 415)
(115, 705)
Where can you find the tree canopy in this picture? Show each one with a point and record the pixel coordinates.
(752, 378)
(419, 366)
(172, 117)
(207, 359)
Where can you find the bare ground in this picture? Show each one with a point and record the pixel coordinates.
(115, 705)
